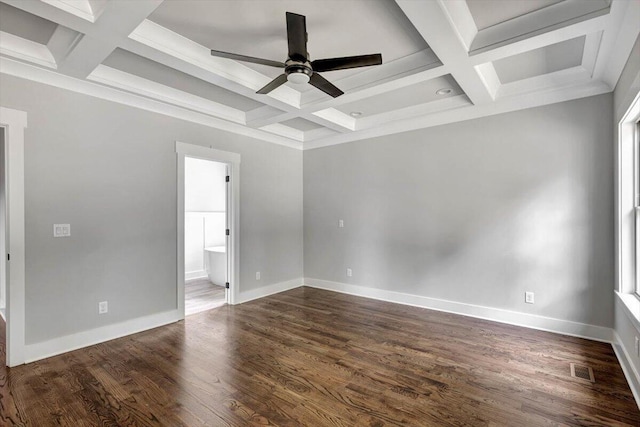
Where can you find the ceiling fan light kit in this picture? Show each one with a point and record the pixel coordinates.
(297, 68)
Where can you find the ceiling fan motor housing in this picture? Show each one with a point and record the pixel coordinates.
(298, 72)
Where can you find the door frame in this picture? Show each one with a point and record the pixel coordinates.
(232, 161)
(14, 122)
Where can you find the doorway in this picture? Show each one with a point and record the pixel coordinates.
(208, 218)
(205, 238)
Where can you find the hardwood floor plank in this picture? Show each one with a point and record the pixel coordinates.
(308, 357)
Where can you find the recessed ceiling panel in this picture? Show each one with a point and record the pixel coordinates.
(25, 25)
(336, 28)
(151, 70)
(487, 13)
(541, 61)
(420, 93)
(301, 124)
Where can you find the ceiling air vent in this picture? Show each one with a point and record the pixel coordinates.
(582, 372)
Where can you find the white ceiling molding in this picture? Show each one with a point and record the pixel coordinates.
(437, 27)
(117, 20)
(304, 118)
(557, 16)
(134, 84)
(41, 75)
(27, 50)
(80, 8)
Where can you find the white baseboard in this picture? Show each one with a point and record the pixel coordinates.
(82, 339)
(565, 327)
(268, 290)
(630, 372)
(195, 275)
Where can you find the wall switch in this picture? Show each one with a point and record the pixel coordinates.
(103, 307)
(257, 275)
(349, 272)
(528, 297)
(340, 223)
(61, 230)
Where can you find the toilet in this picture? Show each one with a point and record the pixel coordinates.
(216, 264)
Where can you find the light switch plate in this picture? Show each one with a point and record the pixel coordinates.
(61, 230)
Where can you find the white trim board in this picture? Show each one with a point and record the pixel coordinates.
(559, 326)
(630, 373)
(59, 345)
(232, 162)
(192, 275)
(15, 122)
(265, 291)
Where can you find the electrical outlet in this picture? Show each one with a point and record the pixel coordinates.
(349, 272)
(61, 230)
(340, 223)
(257, 275)
(528, 297)
(103, 307)
(637, 346)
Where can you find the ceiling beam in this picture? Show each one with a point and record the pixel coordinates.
(438, 29)
(117, 20)
(94, 41)
(377, 88)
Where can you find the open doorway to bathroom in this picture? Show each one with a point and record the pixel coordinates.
(205, 234)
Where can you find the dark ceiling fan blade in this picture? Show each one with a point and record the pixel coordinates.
(245, 58)
(324, 85)
(331, 64)
(277, 82)
(297, 36)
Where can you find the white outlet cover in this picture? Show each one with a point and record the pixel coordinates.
(257, 275)
(103, 307)
(61, 230)
(341, 223)
(349, 272)
(528, 297)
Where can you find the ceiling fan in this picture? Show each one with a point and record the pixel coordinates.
(297, 67)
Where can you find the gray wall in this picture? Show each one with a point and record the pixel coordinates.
(626, 90)
(110, 171)
(476, 212)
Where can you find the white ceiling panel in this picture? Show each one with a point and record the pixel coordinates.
(336, 28)
(541, 61)
(151, 70)
(301, 124)
(25, 25)
(421, 93)
(487, 13)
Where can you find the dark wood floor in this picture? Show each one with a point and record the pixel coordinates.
(314, 358)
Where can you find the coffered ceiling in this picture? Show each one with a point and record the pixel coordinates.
(443, 60)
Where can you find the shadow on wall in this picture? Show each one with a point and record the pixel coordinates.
(474, 217)
(542, 241)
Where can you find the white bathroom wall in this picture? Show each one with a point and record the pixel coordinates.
(204, 212)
